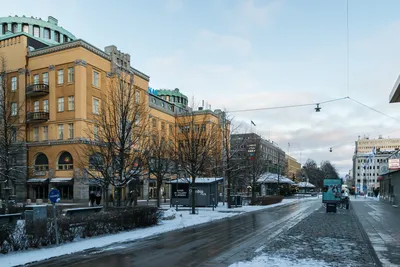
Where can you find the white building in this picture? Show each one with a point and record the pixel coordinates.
(365, 145)
(367, 169)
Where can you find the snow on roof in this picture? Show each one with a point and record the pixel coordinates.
(305, 185)
(273, 178)
(199, 180)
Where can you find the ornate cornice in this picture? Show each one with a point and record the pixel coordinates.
(140, 74)
(59, 142)
(84, 44)
(69, 45)
(80, 62)
(52, 68)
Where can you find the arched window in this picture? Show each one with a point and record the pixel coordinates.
(95, 162)
(65, 161)
(41, 162)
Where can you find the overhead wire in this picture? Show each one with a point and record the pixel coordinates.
(288, 106)
(347, 49)
(332, 100)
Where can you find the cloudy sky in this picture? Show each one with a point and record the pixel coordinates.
(245, 54)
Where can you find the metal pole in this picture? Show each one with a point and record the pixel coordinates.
(55, 223)
(223, 158)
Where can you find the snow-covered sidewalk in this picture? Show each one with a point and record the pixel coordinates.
(182, 219)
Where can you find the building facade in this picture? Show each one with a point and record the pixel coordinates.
(58, 81)
(367, 171)
(292, 168)
(366, 145)
(244, 147)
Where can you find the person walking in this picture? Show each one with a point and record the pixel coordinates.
(98, 198)
(92, 198)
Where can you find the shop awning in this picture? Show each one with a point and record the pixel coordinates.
(37, 180)
(61, 180)
(380, 178)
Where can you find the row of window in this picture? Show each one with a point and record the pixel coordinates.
(377, 160)
(64, 162)
(36, 31)
(365, 181)
(175, 99)
(368, 174)
(369, 167)
(60, 78)
(60, 106)
(60, 132)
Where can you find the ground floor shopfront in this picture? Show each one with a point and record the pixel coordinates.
(390, 188)
(78, 190)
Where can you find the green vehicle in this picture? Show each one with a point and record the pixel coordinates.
(332, 194)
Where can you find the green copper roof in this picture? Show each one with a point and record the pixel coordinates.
(169, 92)
(10, 35)
(51, 24)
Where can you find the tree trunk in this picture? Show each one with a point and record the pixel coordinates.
(253, 192)
(119, 196)
(135, 197)
(158, 192)
(228, 190)
(193, 199)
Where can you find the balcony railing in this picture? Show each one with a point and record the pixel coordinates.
(37, 89)
(39, 116)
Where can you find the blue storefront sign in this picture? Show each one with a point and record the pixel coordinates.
(152, 91)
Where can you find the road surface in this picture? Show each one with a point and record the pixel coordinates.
(216, 244)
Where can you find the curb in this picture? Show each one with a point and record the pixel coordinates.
(377, 262)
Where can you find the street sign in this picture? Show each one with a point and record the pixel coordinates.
(54, 196)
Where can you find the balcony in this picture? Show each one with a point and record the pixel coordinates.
(37, 89)
(40, 116)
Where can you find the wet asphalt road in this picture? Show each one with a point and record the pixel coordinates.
(217, 244)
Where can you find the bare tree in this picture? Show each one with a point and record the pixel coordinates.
(160, 159)
(256, 166)
(198, 137)
(233, 161)
(12, 124)
(313, 173)
(118, 133)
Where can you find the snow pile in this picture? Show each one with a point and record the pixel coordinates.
(170, 214)
(276, 261)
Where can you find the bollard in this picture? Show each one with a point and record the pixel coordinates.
(213, 203)
(177, 205)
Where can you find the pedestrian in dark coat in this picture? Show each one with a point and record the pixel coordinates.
(98, 198)
(92, 198)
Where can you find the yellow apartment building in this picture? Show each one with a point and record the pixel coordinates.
(292, 167)
(57, 80)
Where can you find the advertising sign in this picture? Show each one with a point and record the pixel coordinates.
(394, 164)
(180, 190)
(332, 190)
